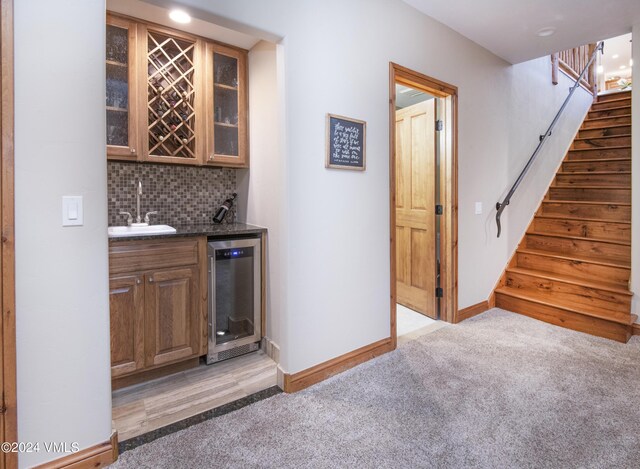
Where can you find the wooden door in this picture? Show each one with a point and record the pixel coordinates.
(415, 207)
(171, 315)
(126, 306)
(8, 404)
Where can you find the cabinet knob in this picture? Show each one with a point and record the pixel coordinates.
(138, 281)
(150, 279)
(133, 150)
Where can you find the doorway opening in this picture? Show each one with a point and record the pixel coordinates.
(423, 201)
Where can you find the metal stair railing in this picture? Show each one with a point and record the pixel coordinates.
(500, 206)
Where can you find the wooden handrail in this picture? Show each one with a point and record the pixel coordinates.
(572, 62)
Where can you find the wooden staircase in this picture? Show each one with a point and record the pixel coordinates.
(572, 267)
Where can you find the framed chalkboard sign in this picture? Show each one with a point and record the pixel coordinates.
(346, 141)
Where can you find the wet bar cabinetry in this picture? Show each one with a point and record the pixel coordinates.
(173, 97)
(157, 299)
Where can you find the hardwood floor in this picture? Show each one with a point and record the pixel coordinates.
(144, 407)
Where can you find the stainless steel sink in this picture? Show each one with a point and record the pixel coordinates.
(141, 229)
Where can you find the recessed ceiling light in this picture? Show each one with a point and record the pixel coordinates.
(180, 16)
(622, 67)
(600, 69)
(615, 56)
(546, 32)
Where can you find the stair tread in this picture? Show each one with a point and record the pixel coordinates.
(607, 117)
(590, 173)
(610, 101)
(598, 285)
(569, 217)
(552, 300)
(579, 238)
(612, 126)
(578, 258)
(597, 160)
(601, 137)
(586, 202)
(617, 147)
(613, 100)
(594, 186)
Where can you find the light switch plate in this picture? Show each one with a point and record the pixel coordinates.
(72, 214)
(478, 208)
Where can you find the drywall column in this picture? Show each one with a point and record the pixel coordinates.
(62, 310)
(635, 179)
(262, 188)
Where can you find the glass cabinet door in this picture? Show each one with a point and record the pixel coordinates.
(227, 126)
(120, 118)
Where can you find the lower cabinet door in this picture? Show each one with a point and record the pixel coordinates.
(126, 299)
(172, 317)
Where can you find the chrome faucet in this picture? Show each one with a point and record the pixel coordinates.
(138, 213)
(138, 194)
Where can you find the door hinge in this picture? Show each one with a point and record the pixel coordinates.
(439, 210)
(439, 125)
(439, 292)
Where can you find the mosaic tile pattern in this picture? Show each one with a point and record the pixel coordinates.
(181, 194)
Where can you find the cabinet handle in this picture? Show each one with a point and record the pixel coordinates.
(133, 150)
(150, 279)
(138, 281)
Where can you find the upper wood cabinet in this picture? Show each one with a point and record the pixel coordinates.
(226, 106)
(185, 99)
(121, 94)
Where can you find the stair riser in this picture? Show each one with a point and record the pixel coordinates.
(606, 132)
(573, 268)
(588, 124)
(622, 111)
(590, 248)
(559, 317)
(610, 104)
(603, 212)
(583, 166)
(601, 142)
(570, 294)
(614, 96)
(594, 179)
(584, 229)
(599, 154)
(596, 195)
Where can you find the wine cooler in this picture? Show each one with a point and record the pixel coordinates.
(235, 278)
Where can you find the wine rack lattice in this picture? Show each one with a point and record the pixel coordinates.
(171, 97)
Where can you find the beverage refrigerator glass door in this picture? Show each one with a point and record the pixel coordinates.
(235, 279)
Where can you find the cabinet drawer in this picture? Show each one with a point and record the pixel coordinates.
(135, 256)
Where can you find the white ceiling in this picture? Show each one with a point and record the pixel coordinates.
(158, 14)
(508, 27)
(617, 54)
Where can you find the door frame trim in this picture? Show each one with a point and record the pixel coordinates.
(448, 191)
(7, 292)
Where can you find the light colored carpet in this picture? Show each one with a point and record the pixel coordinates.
(498, 390)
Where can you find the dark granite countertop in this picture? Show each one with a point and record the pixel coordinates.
(232, 229)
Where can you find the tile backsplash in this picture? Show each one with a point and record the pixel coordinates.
(180, 194)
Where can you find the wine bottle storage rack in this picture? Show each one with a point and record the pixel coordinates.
(171, 97)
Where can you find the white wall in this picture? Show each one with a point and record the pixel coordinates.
(62, 315)
(336, 59)
(262, 187)
(635, 177)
